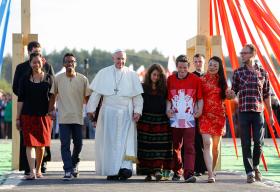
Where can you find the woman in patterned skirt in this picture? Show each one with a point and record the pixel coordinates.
(154, 133)
(212, 121)
(32, 113)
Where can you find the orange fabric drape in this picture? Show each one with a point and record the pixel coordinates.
(273, 78)
(227, 102)
(266, 116)
(265, 28)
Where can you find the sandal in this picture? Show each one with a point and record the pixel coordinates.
(39, 175)
(211, 180)
(30, 177)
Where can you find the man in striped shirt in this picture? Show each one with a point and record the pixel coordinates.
(251, 83)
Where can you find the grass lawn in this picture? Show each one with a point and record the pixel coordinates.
(5, 158)
(230, 162)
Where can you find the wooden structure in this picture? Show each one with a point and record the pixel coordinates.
(204, 43)
(20, 40)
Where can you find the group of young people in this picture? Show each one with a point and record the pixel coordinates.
(160, 124)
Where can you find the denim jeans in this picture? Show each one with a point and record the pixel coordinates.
(65, 132)
(91, 130)
(251, 123)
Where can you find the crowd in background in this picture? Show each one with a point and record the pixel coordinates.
(5, 115)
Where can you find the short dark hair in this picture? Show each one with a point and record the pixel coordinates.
(33, 44)
(252, 48)
(199, 55)
(68, 55)
(182, 58)
(32, 55)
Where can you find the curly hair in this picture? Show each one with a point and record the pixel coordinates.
(161, 83)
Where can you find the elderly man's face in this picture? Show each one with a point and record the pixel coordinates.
(119, 59)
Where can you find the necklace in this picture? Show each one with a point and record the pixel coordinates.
(117, 82)
(37, 80)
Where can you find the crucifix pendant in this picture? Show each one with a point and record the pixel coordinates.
(116, 91)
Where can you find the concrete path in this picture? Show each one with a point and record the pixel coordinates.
(89, 181)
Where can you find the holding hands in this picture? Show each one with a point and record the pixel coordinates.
(136, 117)
(230, 94)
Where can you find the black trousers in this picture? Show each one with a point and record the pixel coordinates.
(199, 166)
(251, 123)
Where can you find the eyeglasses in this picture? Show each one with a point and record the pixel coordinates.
(69, 62)
(244, 53)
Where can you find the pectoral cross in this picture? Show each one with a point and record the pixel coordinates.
(116, 91)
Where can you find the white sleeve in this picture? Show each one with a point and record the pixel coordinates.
(93, 102)
(137, 104)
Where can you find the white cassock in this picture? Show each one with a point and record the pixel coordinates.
(116, 136)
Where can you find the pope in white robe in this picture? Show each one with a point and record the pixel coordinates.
(116, 136)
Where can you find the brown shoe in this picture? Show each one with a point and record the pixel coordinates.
(250, 179)
(258, 175)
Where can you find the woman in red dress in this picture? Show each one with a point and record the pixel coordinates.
(32, 113)
(212, 121)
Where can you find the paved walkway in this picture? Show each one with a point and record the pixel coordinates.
(89, 181)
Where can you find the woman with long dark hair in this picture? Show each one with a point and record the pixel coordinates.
(212, 121)
(32, 113)
(154, 133)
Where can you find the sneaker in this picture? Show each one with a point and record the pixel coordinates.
(166, 174)
(250, 178)
(176, 177)
(75, 172)
(148, 178)
(258, 175)
(67, 176)
(158, 176)
(190, 179)
(112, 177)
(44, 167)
(198, 174)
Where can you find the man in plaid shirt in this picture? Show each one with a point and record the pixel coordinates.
(251, 83)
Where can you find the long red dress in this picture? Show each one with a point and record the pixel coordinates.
(212, 120)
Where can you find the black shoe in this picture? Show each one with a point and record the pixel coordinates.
(44, 167)
(124, 174)
(67, 176)
(190, 179)
(198, 174)
(75, 172)
(176, 177)
(112, 177)
(27, 172)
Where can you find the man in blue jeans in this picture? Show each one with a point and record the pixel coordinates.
(71, 89)
(251, 83)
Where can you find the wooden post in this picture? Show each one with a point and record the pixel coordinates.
(18, 57)
(25, 20)
(203, 12)
(19, 41)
